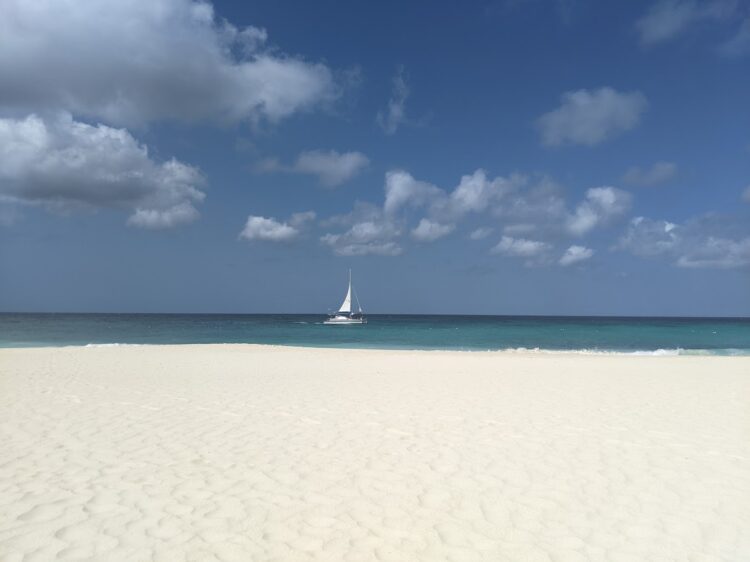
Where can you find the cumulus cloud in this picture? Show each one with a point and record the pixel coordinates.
(130, 62)
(713, 252)
(66, 165)
(524, 206)
(481, 233)
(268, 230)
(668, 19)
(575, 254)
(369, 231)
(155, 219)
(298, 220)
(401, 189)
(706, 242)
(531, 206)
(429, 231)
(660, 172)
(476, 192)
(375, 230)
(332, 168)
(591, 117)
(646, 237)
(363, 238)
(342, 248)
(600, 206)
(395, 114)
(520, 247)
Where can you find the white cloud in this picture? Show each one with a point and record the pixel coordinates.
(481, 233)
(369, 231)
(667, 19)
(591, 117)
(429, 231)
(298, 220)
(739, 44)
(707, 242)
(401, 189)
(365, 238)
(331, 168)
(527, 207)
(380, 227)
(660, 172)
(65, 164)
(362, 248)
(390, 119)
(475, 192)
(181, 213)
(532, 206)
(600, 206)
(131, 62)
(721, 253)
(268, 230)
(520, 247)
(646, 237)
(575, 254)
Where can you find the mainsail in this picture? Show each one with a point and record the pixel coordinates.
(346, 306)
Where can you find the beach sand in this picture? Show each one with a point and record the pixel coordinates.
(253, 453)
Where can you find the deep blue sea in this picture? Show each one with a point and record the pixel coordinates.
(713, 336)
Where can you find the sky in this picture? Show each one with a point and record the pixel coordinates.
(572, 157)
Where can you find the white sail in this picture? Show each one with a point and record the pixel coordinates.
(346, 306)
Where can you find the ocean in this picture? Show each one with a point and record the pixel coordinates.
(667, 336)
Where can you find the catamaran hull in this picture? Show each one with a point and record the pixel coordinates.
(345, 321)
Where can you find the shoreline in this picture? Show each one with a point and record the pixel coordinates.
(520, 351)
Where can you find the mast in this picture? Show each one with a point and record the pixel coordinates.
(352, 291)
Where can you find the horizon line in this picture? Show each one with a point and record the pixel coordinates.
(634, 316)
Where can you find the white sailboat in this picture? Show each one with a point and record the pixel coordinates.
(346, 315)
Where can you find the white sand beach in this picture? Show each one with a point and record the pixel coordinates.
(253, 453)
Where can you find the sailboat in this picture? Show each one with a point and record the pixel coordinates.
(345, 315)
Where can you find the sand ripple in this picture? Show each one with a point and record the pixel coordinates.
(244, 453)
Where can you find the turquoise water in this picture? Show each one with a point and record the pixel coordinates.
(592, 334)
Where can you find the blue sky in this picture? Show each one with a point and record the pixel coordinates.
(510, 157)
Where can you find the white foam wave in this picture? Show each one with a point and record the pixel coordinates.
(112, 345)
(669, 352)
(644, 352)
(661, 352)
